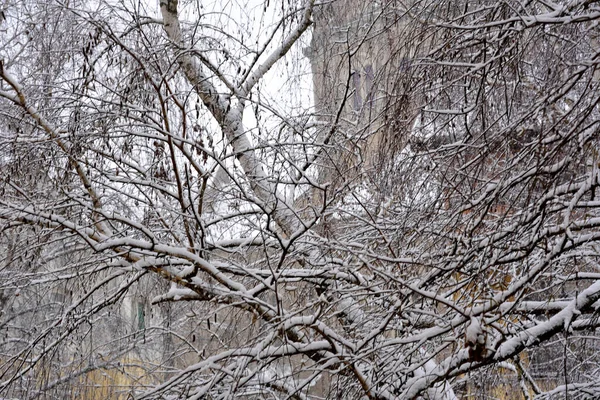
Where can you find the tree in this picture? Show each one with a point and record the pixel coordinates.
(175, 225)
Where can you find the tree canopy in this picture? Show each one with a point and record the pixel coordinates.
(299, 199)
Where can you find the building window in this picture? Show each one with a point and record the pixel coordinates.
(369, 77)
(405, 66)
(141, 316)
(363, 87)
(356, 97)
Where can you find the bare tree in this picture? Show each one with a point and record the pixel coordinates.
(180, 220)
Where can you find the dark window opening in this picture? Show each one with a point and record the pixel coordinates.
(357, 98)
(141, 316)
(369, 83)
